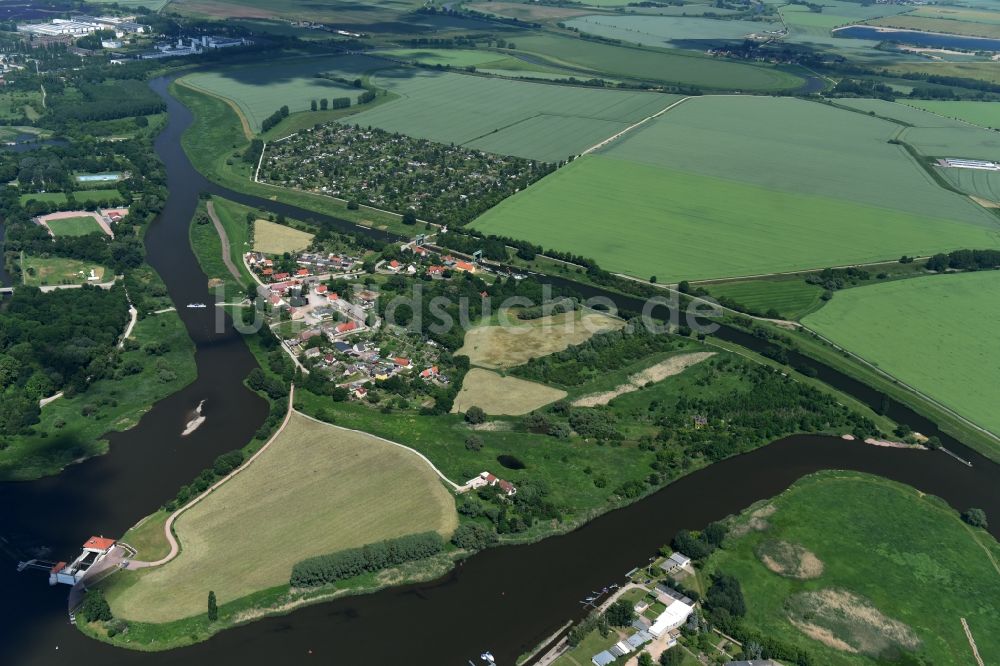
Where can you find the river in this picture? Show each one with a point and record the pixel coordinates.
(505, 599)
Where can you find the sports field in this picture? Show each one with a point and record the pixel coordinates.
(937, 334)
(694, 196)
(260, 89)
(684, 68)
(74, 226)
(821, 570)
(41, 271)
(510, 345)
(273, 238)
(316, 490)
(533, 120)
(984, 114)
(82, 196)
(497, 394)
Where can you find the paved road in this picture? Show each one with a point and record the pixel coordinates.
(226, 256)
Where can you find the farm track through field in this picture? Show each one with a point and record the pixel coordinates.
(633, 126)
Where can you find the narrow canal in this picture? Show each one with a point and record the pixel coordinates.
(505, 599)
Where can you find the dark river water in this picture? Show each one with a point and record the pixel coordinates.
(919, 38)
(505, 599)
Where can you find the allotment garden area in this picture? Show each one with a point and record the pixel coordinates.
(818, 570)
(447, 184)
(693, 195)
(935, 333)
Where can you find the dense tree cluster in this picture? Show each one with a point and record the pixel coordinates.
(105, 100)
(965, 260)
(274, 118)
(325, 569)
(511, 515)
(700, 545)
(474, 536)
(596, 356)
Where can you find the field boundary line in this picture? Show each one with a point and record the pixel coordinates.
(455, 486)
(797, 272)
(972, 642)
(632, 127)
(168, 525)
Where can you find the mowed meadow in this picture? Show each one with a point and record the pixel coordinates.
(735, 186)
(937, 334)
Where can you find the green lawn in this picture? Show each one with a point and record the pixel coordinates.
(82, 196)
(984, 114)
(261, 88)
(40, 271)
(937, 334)
(534, 120)
(65, 434)
(676, 67)
(75, 226)
(923, 568)
(245, 537)
(792, 297)
(207, 247)
(694, 196)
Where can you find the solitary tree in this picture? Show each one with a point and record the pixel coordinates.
(671, 657)
(409, 217)
(620, 614)
(312, 105)
(975, 517)
(213, 608)
(475, 415)
(646, 659)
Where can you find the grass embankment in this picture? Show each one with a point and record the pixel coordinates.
(817, 560)
(207, 246)
(215, 144)
(71, 428)
(923, 332)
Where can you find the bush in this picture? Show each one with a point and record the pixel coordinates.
(474, 536)
(474, 443)
(975, 517)
(324, 569)
(95, 607)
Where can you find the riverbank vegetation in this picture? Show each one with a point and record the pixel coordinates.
(822, 573)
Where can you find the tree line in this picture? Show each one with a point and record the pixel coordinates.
(326, 569)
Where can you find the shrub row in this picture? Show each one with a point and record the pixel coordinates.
(325, 569)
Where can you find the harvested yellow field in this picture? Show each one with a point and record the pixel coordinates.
(514, 344)
(499, 395)
(272, 238)
(317, 489)
(674, 365)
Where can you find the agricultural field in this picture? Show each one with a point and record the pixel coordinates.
(698, 197)
(984, 185)
(984, 114)
(537, 121)
(246, 535)
(820, 570)
(497, 394)
(258, 90)
(987, 71)
(936, 334)
(675, 31)
(679, 68)
(41, 271)
(516, 342)
(273, 238)
(530, 12)
(791, 297)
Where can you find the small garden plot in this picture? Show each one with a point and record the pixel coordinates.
(443, 183)
(496, 394)
(274, 238)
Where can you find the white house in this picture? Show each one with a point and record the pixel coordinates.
(674, 616)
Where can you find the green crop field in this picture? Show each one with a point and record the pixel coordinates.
(260, 89)
(668, 30)
(791, 297)
(684, 68)
(908, 580)
(534, 120)
(246, 535)
(984, 114)
(937, 334)
(694, 196)
(977, 182)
